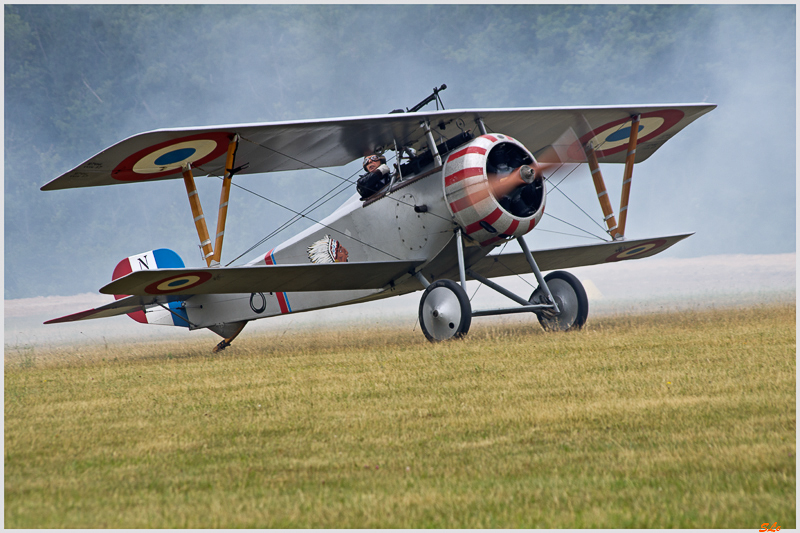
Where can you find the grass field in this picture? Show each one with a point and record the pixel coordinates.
(675, 420)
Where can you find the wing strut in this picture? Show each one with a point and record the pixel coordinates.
(212, 254)
(626, 180)
(617, 232)
(600, 187)
(197, 212)
(223, 197)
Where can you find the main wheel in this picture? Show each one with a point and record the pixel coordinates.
(444, 311)
(570, 296)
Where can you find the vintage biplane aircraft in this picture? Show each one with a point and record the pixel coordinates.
(463, 183)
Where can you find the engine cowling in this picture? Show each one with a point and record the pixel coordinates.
(490, 190)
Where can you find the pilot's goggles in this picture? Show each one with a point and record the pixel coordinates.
(370, 159)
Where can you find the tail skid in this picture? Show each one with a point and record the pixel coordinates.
(228, 332)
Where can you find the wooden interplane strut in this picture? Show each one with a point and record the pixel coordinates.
(600, 187)
(617, 232)
(211, 253)
(626, 180)
(197, 213)
(223, 198)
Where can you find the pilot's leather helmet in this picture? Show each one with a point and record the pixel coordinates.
(373, 157)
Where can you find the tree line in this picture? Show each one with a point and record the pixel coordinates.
(79, 78)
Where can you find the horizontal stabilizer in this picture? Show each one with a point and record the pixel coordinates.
(493, 266)
(272, 278)
(269, 147)
(119, 307)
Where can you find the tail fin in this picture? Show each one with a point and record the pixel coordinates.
(154, 259)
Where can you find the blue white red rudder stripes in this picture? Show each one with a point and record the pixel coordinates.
(154, 259)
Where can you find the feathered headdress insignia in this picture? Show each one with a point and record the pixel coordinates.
(323, 250)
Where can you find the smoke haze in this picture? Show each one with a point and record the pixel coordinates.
(80, 78)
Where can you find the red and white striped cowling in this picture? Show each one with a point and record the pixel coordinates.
(469, 199)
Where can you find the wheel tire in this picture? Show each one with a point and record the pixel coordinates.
(573, 305)
(444, 311)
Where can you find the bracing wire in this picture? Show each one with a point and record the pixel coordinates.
(298, 215)
(576, 227)
(516, 273)
(568, 234)
(319, 202)
(349, 181)
(556, 187)
(301, 215)
(297, 160)
(295, 218)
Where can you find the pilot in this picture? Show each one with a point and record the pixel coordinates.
(377, 176)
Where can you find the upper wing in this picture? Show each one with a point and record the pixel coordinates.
(272, 278)
(268, 147)
(493, 266)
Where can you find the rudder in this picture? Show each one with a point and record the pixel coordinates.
(154, 259)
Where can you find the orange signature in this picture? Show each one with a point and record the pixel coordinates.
(765, 527)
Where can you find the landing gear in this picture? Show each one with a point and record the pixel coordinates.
(559, 302)
(444, 311)
(570, 298)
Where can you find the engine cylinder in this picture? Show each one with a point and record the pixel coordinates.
(482, 194)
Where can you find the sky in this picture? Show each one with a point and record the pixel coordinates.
(730, 177)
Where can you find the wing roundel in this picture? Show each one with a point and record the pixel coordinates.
(276, 146)
(167, 158)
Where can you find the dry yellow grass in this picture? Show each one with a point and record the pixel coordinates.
(678, 420)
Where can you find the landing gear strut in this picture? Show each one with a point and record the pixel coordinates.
(445, 312)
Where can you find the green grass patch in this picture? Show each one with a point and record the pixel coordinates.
(680, 420)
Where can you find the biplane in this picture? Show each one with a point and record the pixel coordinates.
(462, 183)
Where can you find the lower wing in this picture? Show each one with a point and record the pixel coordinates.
(272, 278)
(160, 286)
(493, 266)
(150, 287)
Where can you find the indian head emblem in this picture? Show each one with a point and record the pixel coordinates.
(327, 250)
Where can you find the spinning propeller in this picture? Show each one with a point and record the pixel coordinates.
(503, 185)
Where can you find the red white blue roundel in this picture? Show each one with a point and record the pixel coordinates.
(165, 158)
(179, 283)
(613, 137)
(638, 250)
